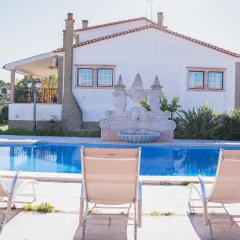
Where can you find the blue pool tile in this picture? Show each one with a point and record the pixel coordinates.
(155, 161)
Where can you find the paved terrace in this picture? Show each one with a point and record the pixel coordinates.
(63, 225)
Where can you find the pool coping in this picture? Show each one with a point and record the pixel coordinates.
(69, 177)
(10, 139)
(72, 177)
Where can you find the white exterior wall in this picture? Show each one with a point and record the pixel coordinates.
(45, 112)
(150, 53)
(108, 30)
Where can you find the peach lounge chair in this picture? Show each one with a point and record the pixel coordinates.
(111, 179)
(11, 188)
(226, 186)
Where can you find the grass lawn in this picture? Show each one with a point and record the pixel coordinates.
(3, 127)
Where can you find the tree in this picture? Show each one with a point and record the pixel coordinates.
(172, 107)
(4, 96)
(51, 81)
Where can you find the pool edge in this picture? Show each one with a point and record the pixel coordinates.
(68, 177)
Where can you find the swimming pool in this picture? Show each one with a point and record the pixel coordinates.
(65, 158)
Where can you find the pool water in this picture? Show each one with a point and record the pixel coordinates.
(155, 161)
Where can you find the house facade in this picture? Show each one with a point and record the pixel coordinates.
(92, 59)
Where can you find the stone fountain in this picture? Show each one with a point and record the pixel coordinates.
(137, 124)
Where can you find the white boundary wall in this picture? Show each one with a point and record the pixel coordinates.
(45, 112)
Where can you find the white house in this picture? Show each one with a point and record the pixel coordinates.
(93, 57)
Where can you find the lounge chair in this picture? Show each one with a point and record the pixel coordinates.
(111, 178)
(10, 189)
(226, 186)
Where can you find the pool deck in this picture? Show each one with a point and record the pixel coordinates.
(63, 225)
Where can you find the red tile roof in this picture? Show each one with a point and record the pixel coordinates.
(154, 26)
(115, 23)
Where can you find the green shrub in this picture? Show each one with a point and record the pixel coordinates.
(80, 133)
(3, 113)
(172, 107)
(45, 208)
(29, 207)
(41, 208)
(145, 105)
(230, 128)
(161, 214)
(200, 123)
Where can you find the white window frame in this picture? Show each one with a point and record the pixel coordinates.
(206, 71)
(95, 68)
(216, 88)
(196, 87)
(83, 85)
(99, 69)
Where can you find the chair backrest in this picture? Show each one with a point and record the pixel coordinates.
(110, 176)
(5, 192)
(226, 188)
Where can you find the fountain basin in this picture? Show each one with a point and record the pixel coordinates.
(139, 138)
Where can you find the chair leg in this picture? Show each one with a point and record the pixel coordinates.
(139, 213)
(84, 229)
(211, 231)
(205, 212)
(84, 220)
(190, 207)
(81, 212)
(34, 192)
(135, 222)
(8, 211)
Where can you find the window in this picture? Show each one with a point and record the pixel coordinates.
(196, 79)
(105, 77)
(207, 79)
(85, 77)
(215, 80)
(95, 76)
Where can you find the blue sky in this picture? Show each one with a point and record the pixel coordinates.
(30, 27)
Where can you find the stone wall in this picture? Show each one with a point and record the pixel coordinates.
(41, 125)
(90, 125)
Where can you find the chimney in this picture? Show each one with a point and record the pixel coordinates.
(84, 24)
(71, 113)
(160, 19)
(68, 32)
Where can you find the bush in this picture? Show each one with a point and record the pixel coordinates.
(230, 128)
(80, 133)
(3, 113)
(41, 208)
(172, 107)
(199, 123)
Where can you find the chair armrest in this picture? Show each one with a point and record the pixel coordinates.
(203, 188)
(139, 192)
(82, 195)
(201, 192)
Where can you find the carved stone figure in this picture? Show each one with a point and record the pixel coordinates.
(137, 122)
(155, 96)
(136, 92)
(119, 96)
